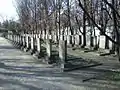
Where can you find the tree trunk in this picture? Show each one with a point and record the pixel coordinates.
(84, 30)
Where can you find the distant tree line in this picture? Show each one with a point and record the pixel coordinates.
(11, 25)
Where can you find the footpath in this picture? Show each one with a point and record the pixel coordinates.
(21, 71)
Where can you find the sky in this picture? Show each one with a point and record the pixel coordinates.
(7, 10)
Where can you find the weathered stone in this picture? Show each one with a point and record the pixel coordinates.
(55, 38)
(48, 47)
(50, 37)
(32, 42)
(69, 40)
(88, 39)
(39, 36)
(62, 53)
(46, 36)
(15, 38)
(23, 40)
(82, 40)
(36, 35)
(61, 37)
(110, 45)
(18, 40)
(102, 42)
(95, 41)
(38, 45)
(49, 51)
(10, 37)
(73, 39)
(77, 40)
(27, 41)
(119, 54)
(43, 36)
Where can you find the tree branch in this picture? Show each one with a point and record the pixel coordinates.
(80, 4)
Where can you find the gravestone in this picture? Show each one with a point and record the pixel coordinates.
(43, 36)
(110, 45)
(118, 48)
(23, 40)
(68, 40)
(82, 40)
(27, 41)
(62, 53)
(38, 45)
(39, 36)
(15, 38)
(88, 39)
(102, 42)
(18, 38)
(32, 42)
(61, 37)
(48, 49)
(73, 39)
(55, 38)
(95, 42)
(77, 40)
(36, 35)
(50, 37)
(10, 37)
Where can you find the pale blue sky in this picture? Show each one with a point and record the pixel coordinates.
(7, 10)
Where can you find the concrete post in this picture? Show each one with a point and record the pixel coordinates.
(62, 53)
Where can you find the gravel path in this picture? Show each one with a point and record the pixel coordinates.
(20, 71)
